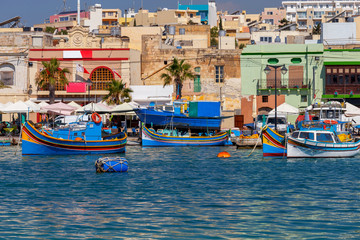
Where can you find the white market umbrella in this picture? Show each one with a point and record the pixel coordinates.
(43, 104)
(285, 109)
(19, 107)
(33, 105)
(351, 110)
(94, 107)
(123, 109)
(59, 108)
(74, 104)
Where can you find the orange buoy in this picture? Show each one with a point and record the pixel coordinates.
(224, 155)
(78, 139)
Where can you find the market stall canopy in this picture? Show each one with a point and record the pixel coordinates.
(59, 108)
(74, 104)
(35, 106)
(94, 107)
(285, 109)
(351, 110)
(123, 109)
(19, 107)
(43, 104)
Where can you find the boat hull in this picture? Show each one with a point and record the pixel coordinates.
(150, 139)
(37, 143)
(163, 118)
(273, 143)
(301, 148)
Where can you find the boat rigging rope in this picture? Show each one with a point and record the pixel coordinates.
(256, 143)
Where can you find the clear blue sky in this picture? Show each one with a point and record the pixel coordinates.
(35, 11)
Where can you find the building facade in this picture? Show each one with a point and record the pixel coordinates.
(342, 75)
(299, 87)
(110, 60)
(310, 13)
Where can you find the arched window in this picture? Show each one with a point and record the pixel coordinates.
(101, 77)
(7, 74)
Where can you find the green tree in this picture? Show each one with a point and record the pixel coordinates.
(118, 93)
(284, 22)
(214, 34)
(317, 29)
(2, 85)
(50, 29)
(220, 24)
(177, 72)
(50, 76)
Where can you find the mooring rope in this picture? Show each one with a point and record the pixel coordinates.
(256, 142)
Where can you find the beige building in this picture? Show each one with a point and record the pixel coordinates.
(14, 48)
(217, 72)
(103, 61)
(165, 17)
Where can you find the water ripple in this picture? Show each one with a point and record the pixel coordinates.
(179, 193)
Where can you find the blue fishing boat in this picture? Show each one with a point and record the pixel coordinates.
(319, 140)
(199, 115)
(75, 138)
(150, 138)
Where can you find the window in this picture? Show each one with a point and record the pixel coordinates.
(101, 77)
(269, 13)
(103, 14)
(197, 84)
(197, 69)
(270, 39)
(265, 99)
(191, 15)
(7, 74)
(307, 135)
(295, 134)
(303, 98)
(179, 15)
(110, 14)
(219, 74)
(324, 137)
(63, 19)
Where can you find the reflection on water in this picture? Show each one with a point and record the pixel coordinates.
(182, 193)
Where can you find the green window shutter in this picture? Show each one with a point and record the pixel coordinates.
(197, 84)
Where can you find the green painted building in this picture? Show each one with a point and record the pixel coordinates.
(302, 82)
(342, 75)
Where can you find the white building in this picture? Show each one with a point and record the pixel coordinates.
(294, 9)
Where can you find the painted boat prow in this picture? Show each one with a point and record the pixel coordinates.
(273, 143)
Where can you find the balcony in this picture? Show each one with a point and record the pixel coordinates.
(284, 86)
(348, 89)
(302, 27)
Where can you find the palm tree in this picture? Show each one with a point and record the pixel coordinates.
(179, 72)
(118, 93)
(50, 76)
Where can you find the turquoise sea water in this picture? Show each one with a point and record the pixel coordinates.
(179, 193)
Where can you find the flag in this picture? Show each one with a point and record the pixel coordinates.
(80, 68)
(116, 73)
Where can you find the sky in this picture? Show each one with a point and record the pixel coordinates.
(36, 11)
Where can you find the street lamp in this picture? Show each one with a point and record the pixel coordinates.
(88, 84)
(283, 70)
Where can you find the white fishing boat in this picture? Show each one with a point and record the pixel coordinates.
(319, 142)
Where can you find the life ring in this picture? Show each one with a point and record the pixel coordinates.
(330, 122)
(96, 117)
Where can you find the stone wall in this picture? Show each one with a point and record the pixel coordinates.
(154, 58)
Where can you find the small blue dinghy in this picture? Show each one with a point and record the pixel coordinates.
(111, 164)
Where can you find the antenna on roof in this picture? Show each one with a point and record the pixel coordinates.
(64, 8)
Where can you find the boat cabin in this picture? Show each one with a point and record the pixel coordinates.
(316, 135)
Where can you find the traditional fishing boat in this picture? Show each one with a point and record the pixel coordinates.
(75, 138)
(319, 142)
(197, 115)
(273, 143)
(150, 138)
